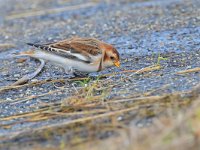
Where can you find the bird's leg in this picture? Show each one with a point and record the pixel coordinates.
(74, 73)
(70, 71)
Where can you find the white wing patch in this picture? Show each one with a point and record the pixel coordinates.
(79, 56)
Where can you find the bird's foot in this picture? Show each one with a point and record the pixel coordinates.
(70, 72)
(80, 74)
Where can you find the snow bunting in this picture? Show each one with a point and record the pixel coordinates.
(81, 54)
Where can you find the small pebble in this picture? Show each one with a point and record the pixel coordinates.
(16, 75)
(34, 80)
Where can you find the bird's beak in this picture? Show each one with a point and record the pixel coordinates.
(117, 64)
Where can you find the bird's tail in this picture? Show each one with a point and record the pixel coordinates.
(32, 53)
(29, 52)
(34, 45)
(43, 47)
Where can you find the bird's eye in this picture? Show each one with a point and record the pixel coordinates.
(112, 58)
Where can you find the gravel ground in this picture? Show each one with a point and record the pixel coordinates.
(141, 30)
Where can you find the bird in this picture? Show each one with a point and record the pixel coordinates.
(77, 54)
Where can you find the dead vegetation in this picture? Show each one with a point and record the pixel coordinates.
(93, 119)
(197, 69)
(5, 46)
(90, 115)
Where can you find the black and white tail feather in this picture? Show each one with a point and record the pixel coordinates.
(43, 47)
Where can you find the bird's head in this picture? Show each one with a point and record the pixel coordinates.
(111, 56)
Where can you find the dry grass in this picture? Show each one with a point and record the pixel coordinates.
(99, 116)
(189, 71)
(180, 131)
(6, 46)
(92, 120)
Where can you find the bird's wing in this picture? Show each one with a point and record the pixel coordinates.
(82, 49)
